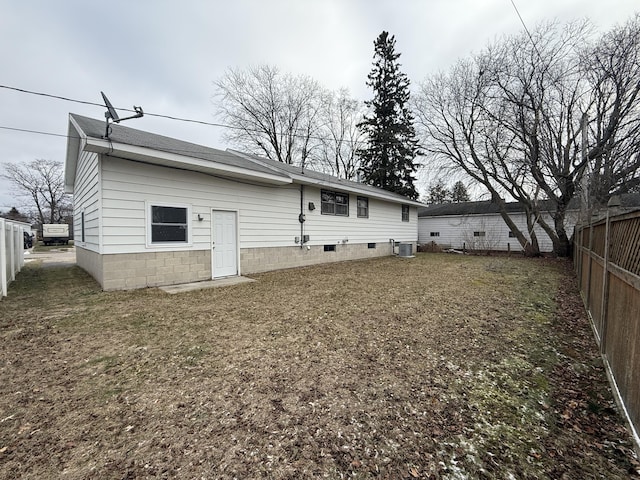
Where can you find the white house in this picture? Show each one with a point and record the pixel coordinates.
(151, 210)
(479, 226)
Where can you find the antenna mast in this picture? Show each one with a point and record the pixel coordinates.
(113, 115)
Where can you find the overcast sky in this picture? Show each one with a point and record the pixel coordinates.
(164, 55)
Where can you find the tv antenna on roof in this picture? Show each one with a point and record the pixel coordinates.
(113, 115)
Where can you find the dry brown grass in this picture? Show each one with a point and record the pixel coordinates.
(435, 367)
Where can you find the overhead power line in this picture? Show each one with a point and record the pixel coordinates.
(525, 28)
(158, 115)
(38, 132)
(96, 104)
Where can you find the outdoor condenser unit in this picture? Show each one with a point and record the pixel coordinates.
(404, 250)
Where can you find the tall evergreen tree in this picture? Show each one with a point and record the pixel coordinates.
(459, 193)
(388, 160)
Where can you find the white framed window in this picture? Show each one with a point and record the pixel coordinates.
(478, 234)
(168, 224)
(434, 234)
(405, 213)
(363, 207)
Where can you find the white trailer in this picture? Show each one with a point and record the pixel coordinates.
(55, 233)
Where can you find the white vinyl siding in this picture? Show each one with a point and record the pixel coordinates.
(267, 215)
(457, 231)
(86, 201)
(383, 223)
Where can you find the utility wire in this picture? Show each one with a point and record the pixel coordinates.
(84, 102)
(159, 115)
(33, 131)
(526, 29)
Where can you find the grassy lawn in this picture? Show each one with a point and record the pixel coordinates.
(435, 367)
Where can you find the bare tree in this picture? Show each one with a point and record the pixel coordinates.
(438, 193)
(513, 118)
(613, 70)
(42, 183)
(270, 113)
(339, 135)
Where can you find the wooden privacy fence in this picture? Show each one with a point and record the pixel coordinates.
(11, 251)
(607, 262)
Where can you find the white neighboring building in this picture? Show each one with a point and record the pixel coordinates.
(479, 226)
(151, 210)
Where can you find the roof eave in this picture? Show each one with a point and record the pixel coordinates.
(302, 179)
(74, 138)
(168, 159)
(365, 192)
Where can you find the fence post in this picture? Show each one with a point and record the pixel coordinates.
(590, 260)
(3, 259)
(613, 202)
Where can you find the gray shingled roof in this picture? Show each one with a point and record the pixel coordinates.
(476, 208)
(467, 208)
(628, 200)
(319, 177)
(130, 136)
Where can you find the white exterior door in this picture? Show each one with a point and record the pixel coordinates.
(224, 247)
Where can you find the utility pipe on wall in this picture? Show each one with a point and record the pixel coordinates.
(301, 217)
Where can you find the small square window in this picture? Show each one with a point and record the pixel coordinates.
(169, 224)
(512, 235)
(371, 245)
(405, 213)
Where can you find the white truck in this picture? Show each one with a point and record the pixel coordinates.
(55, 233)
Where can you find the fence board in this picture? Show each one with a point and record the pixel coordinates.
(611, 291)
(11, 251)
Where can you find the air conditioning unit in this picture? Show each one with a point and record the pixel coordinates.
(404, 250)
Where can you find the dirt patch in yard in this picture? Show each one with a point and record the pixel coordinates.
(435, 367)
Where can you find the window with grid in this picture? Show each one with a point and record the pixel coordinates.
(363, 207)
(334, 203)
(405, 213)
(169, 224)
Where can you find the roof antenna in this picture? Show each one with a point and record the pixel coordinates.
(113, 115)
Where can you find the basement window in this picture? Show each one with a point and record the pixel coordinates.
(168, 224)
(371, 245)
(329, 248)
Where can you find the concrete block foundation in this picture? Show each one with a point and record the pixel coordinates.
(153, 269)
